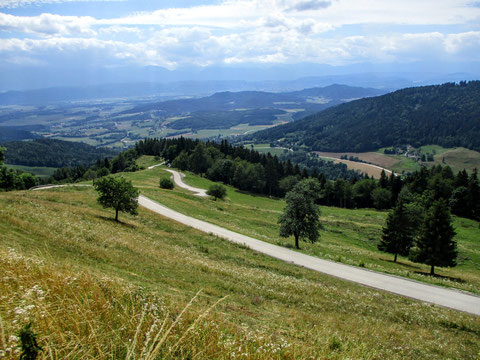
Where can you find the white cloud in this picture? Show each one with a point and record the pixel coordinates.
(48, 24)
(198, 46)
(245, 31)
(11, 4)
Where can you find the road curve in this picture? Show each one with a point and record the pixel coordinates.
(178, 178)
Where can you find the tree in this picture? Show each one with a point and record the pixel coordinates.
(381, 198)
(166, 183)
(199, 160)
(300, 217)
(2, 155)
(117, 193)
(217, 191)
(435, 246)
(181, 161)
(398, 232)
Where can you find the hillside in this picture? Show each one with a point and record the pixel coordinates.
(53, 153)
(98, 281)
(446, 115)
(14, 134)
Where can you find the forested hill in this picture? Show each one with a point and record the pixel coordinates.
(446, 115)
(53, 153)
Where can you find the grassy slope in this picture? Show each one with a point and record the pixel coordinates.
(36, 170)
(90, 285)
(349, 236)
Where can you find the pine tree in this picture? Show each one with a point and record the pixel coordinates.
(398, 232)
(435, 246)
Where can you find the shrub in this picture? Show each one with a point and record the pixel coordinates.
(166, 183)
(217, 191)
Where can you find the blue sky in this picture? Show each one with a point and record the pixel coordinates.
(176, 34)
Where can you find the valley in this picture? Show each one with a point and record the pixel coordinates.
(119, 123)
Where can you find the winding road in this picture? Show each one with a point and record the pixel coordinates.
(449, 298)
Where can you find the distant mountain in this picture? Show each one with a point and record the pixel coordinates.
(316, 98)
(14, 134)
(447, 115)
(19, 76)
(53, 153)
(161, 92)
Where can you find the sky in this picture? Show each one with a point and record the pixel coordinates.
(179, 34)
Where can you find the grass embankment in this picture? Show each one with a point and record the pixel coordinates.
(96, 289)
(349, 236)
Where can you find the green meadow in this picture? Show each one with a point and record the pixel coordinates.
(150, 288)
(349, 236)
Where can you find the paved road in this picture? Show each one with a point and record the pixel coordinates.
(429, 293)
(449, 298)
(178, 178)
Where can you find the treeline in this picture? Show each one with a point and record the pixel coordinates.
(446, 115)
(243, 168)
(424, 187)
(123, 162)
(11, 179)
(53, 153)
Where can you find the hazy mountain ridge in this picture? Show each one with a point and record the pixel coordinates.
(225, 101)
(447, 115)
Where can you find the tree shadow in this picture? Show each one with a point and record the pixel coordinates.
(405, 265)
(245, 192)
(112, 220)
(442, 277)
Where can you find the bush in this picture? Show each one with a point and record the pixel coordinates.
(217, 191)
(166, 183)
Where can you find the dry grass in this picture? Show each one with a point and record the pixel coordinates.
(95, 289)
(459, 159)
(371, 157)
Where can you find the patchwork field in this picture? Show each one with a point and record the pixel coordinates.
(457, 158)
(97, 289)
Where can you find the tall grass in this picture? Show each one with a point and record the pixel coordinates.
(95, 289)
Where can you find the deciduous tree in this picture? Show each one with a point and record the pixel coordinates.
(301, 215)
(117, 193)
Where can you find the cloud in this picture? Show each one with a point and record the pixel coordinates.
(310, 5)
(333, 32)
(48, 24)
(11, 4)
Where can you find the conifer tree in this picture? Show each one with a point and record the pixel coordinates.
(398, 233)
(435, 246)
